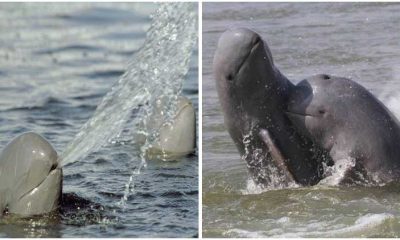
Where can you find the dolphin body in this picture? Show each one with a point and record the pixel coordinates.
(254, 95)
(358, 131)
(30, 177)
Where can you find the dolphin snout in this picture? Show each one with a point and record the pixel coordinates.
(239, 39)
(235, 47)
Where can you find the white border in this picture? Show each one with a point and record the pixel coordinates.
(200, 116)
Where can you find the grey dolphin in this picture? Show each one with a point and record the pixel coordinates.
(349, 122)
(177, 138)
(30, 177)
(253, 94)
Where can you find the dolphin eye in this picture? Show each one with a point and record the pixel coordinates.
(321, 111)
(229, 77)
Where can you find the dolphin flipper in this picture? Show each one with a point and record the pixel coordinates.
(276, 155)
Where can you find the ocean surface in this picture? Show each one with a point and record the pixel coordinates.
(359, 41)
(57, 62)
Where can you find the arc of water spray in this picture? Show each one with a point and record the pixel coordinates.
(155, 72)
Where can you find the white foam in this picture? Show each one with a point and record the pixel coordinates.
(362, 226)
(335, 174)
(236, 232)
(254, 188)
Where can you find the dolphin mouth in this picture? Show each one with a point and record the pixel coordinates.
(54, 167)
(298, 114)
(253, 48)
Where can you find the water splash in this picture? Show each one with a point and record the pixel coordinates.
(156, 71)
(266, 174)
(336, 173)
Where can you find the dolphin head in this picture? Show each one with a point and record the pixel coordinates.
(245, 74)
(322, 105)
(31, 179)
(241, 60)
(176, 138)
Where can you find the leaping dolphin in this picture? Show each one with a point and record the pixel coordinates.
(253, 94)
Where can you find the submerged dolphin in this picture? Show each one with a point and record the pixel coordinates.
(30, 177)
(176, 139)
(253, 94)
(349, 122)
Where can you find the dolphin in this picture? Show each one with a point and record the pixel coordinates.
(254, 94)
(175, 139)
(351, 124)
(30, 177)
